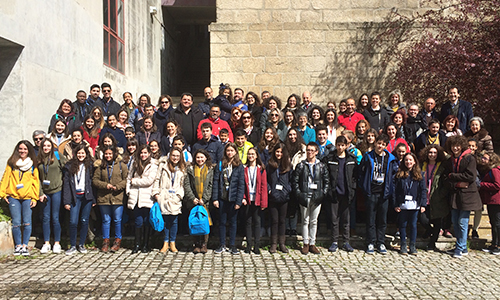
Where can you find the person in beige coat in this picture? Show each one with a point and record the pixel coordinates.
(140, 181)
(168, 190)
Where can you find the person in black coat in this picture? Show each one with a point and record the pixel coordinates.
(376, 115)
(107, 104)
(118, 134)
(78, 196)
(341, 166)
(311, 183)
(457, 107)
(432, 136)
(148, 132)
(210, 143)
(163, 113)
(81, 108)
(228, 193)
(188, 118)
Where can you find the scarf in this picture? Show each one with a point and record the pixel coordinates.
(200, 175)
(24, 165)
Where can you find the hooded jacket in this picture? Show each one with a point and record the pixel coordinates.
(169, 186)
(365, 173)
(377, 119)
(140, 187)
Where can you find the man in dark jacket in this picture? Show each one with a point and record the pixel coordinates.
(428, 112)
(205, 106)
(188, 118)
(210, 143)
(81, 108)
(376, 172)
(95, 91)
(341, 166)
(375, 115)
(311, 183)
(108, 105)
(459, 108)
(414, 124)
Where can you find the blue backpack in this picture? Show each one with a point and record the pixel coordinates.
(155, 217)
(198, 221)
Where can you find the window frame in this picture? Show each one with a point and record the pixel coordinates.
(112, 33)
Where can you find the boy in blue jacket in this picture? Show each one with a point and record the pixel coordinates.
(377, 169)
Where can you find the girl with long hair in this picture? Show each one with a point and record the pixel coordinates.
(59, 135)
(171, 130)
(254, 105)
(98, 116)
(76, 139)
(91, 133)
(247, 124)
(65, 113)
(333, 128)
(368, 143)
(269, 139)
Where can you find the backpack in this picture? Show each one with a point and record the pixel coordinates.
(155, 217)
(198, 221)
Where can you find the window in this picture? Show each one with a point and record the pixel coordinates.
(113, 34)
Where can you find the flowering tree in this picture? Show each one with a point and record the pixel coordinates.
(458, 43)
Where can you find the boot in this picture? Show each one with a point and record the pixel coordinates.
(305, 249)
(105, 245)
(164, 248)
(137, 240)
(282, 244)
(204, 248)
(256, 248)
(197, 248)
(172, 247)
(413, 249)
(147, 233)
(274, 242)
(116, 245)
(248, 248)
(403, 250)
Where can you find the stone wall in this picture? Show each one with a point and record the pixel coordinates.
(289, 46)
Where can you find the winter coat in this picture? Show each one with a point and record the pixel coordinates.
(490, 187)
(213, 147)
(284, 179)
(377, 119)
(66, 139)
(439, 193)
(188, 123)
(483, 139)
(413, 128)
(169, 186)
(190, 189)
(261, 191)
(301, 184)
(418, 191)
(422, 140)
(217, 125)
(119, 173)
(140, 187)
(161, 118)
(225, 107)
(52, 173)
(110, 108)
(463, 198)
(69, 186)
(365, 173)
(236, 190)
(141, 137)
(390, 111)
(464, 113)
(68, 149)
(118, 134)
(331, 161)
(324, 151)
(256, 112)
(11, 178)
(423, 116)
(80, 112)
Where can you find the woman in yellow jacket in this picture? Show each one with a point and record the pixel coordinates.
(20, 188)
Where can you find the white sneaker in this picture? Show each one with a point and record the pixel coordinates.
(24, 251)
(45, 248)
(57, 249)
(17, 250)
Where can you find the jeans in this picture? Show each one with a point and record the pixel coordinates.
(74, 215)
(252, 217)
(376, 210)
(340, 212)
(227, 213)
(278, 215)
(460, 220)
(310, 222)
(494, 214)
(408, 218)
(20, 210)
(106, 212)
(52, 204)
(170, 227)
(141, 216)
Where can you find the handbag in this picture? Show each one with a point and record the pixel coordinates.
(155, 217)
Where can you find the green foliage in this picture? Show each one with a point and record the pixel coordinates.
(4, 212)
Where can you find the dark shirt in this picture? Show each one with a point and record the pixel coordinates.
(341, 184)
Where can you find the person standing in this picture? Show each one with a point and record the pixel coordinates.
(107, 103)
(188, 118)
(457, 107)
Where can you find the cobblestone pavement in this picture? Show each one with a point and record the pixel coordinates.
(342, 275)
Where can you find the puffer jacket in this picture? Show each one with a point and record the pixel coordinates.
(140, 187)
(301, 184)
(236, 185)
(190, 189)
(284, 179)
(169, 186)
(118, 179)
(332, 163)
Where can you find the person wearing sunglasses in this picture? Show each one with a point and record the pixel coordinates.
(162, 114)
(107, 103)
(38, 136)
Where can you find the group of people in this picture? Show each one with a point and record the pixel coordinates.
(244, 156)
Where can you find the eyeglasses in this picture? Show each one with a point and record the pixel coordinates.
(165, 102)
(106, 91)
(246, 117)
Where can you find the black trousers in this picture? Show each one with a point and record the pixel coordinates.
(494, 214)
(340, 211)
(278, 215)
(252, 220)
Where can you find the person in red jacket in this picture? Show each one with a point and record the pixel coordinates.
(255, 198)
(350, 118)
(217, 123)
(490, 195)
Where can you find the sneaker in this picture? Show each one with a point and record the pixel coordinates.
(82, 249)
(17, 250)
(451, 251)
(24, 251)
(370, 250)
(495, 251)
(45, 248)
(457, 254)
(382, 250)
(465, 252)
(334, 247)
(234, 250)
(347, 247)
(71, 250)
(474, 234)
(397, 234)
(489, 249)
(56, 249)
(222, 248)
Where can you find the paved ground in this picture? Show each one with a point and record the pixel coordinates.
(280, 276)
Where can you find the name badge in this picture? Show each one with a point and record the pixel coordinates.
(380, 178)
(279, 187)
(171, 191)
(409, 198)
(46, 182)
(313, 186)
(19, 186)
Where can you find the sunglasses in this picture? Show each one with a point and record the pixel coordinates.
(274, 115)
(165, 102)
(106, 91)
(246, 117)
(38, 139)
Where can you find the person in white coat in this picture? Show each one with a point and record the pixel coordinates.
(168, 190)
(140, 181)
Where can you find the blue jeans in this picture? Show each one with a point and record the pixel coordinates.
(141, 216)
(170, 227)
(376, 214)
(460, 220)
(106, 212)
(227, 213)
(74, 215)
(51, 208)
(408, 218)
(20, 210)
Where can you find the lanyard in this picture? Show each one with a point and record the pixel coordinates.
(79, 176)
(148, 135)
(21, 174)
(130, 160)
(46, 169)
(110, 173)
(173, 177)
(408, 186)
(379, 168)
(431, 174)
(186, 156)
(278, 173)
(253, 180)
(311, 170)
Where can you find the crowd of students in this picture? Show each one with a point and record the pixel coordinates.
(244, 156)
